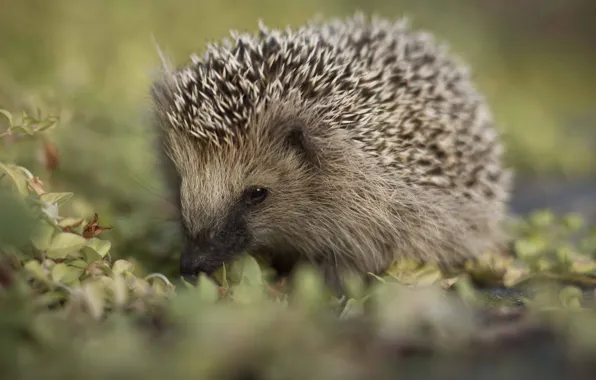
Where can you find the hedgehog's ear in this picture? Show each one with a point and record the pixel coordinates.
(298, 139)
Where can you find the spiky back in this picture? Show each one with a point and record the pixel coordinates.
(404, 100)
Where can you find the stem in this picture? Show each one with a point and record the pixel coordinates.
(160, 276)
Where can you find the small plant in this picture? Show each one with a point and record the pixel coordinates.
(27, 124)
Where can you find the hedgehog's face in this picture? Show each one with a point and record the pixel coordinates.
(249, 197)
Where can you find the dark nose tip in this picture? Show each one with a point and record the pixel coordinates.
(189, 269)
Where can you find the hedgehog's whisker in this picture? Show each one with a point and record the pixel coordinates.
(146, 187)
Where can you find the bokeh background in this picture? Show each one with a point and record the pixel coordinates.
(92, 62)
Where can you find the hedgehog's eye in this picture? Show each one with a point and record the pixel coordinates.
(256, 195)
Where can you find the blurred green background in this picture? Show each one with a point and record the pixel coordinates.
(93, 60)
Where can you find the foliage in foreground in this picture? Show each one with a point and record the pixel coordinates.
(69, 310)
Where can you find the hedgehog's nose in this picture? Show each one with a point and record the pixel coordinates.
(195, 260)
(189, 268)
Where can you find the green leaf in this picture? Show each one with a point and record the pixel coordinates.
(309, 288)
(119, 290)
(187, 284)
(573, 221)
(8, 115)
(542, 218)
(17, 222)
(207, 289)
(26, 119)
(515, 274)
(427, 275)
(65, 243)
(99, 268)
(160, 288)
(43, 236)
(48, 264)
(221, 276)
(570, 297)
(78, 263)
(96, 249)
(565, 253)
(46, 124)
(35, 269)
(18, 177)
(353, 308)
(140, 287)
(22, 128)
(584, 265)
(56, 198)
(17, 253)
(245, 293)
(50, 298)
(66, 274)
(251, 271)
(529, 247)
(94, 298)
(66, 222)
(380, 279)
(122, 267)
(353, 286)
(465, 289)
(90, 254)
(543, 264)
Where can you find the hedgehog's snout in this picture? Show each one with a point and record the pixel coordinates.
(212, 247)
(199, 258)
(191, 264)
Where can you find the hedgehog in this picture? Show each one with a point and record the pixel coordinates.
(347, 144)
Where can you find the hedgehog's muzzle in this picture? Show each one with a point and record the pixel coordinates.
(209, 250)
(195, 261)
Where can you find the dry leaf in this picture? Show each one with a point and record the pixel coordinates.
(93, 229)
